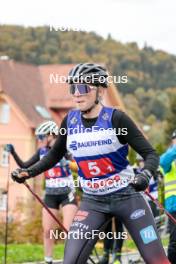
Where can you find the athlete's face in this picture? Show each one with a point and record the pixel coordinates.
(47, 140)
(85, 101)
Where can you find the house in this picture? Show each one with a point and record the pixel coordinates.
(22, 108)
(29, 95)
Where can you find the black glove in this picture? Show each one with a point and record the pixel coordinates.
(141, 180)
(15, 176)
(9, 148)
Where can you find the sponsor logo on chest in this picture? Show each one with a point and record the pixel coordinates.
(75, 145)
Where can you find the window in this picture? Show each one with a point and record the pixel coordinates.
(4, 157)
(4, 113)
(43, 111)
(3, 200)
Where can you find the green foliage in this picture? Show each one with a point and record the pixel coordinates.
(28, 230)
(145, 67)
(171, 118)
(151, 73)
(160, 148)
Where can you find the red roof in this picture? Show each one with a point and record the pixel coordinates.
(22, 83)
(57, 93)
(29, 86)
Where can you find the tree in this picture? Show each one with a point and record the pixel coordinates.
(171, 118)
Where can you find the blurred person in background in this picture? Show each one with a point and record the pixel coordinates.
(168, 163)
(56, 195)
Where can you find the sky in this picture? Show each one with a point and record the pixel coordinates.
(142, 21)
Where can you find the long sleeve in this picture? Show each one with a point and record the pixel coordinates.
(136, 140)
(28, 163)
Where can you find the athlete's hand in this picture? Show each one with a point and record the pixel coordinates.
(20, 175)
(141, 180)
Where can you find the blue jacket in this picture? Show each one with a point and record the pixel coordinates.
(166, 161)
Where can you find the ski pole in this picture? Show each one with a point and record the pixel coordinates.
(7, 212)
(44, 205)
(49, 211)
(160, 206)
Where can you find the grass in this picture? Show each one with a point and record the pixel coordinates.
(19, 253)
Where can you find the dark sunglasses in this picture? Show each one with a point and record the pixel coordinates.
(41, 137)
(81, 88)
